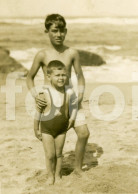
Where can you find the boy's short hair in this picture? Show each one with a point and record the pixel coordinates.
(55, 65)
(55, 19)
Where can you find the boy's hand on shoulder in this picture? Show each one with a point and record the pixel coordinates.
(71, 124)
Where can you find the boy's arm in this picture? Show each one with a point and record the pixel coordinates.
(31, 75)
(37, 129)
(80, 77)
(73, 108)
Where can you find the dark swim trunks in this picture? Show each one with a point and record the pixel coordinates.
(56, 122)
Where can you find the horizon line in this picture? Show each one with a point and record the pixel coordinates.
(68, 16)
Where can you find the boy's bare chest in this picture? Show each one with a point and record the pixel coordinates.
(64, 57)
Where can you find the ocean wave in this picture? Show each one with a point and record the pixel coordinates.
(103, 47)
(86, 58)
(94, 20)
(105, 20)
(22, 21)
(112, 48)
(117, 68)
(25, 57)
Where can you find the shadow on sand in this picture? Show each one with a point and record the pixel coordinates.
(93, 152)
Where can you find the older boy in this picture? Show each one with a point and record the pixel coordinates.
(56, 29)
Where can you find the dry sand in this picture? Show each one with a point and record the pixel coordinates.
(110, 163)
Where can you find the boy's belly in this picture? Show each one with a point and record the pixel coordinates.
(55, 126)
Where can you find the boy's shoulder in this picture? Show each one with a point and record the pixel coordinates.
(41, 53)
(73, 50)
(70, 91)
(44, 52)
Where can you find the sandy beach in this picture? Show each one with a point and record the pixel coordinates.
(110, 163)
(111, 159)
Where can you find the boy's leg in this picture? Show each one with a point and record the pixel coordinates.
(59, 143)
(49, 148)
(83, 134)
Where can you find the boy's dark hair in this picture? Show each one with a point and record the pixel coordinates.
(55, 64)
(55, 18)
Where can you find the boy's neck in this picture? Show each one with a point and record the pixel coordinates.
(58, 48)
(59, 89)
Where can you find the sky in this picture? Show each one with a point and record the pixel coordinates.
(12, 8)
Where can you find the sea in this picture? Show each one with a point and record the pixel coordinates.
(115, 39)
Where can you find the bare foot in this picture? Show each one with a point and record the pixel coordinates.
(50, 181)
(58, 179)
(77, 172)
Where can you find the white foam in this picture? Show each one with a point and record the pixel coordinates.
(25, 57)
(113, 48)
(22, 21)
(108, 47)
(105, 20)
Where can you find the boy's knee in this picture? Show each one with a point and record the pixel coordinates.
(51, 156)
(83, 132)
(58, 154)
(83, 135)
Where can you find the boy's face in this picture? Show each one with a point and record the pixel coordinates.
(56, 34)
(58, 78)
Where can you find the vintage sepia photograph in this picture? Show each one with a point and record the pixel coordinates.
(68, 96)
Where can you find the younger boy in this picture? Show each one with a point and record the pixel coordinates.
(56, 118)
